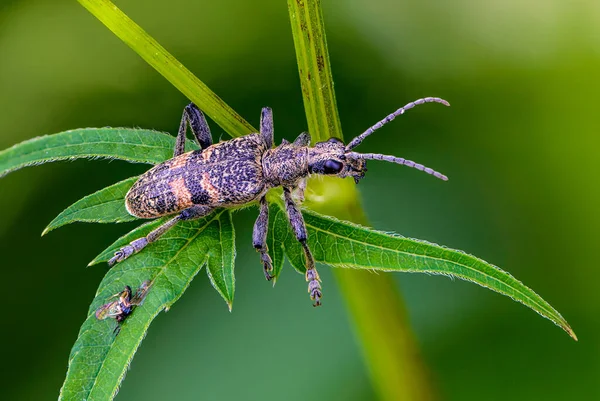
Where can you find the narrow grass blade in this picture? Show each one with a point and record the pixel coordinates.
(168, 66)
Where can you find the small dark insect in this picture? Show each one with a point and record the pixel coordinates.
(122, 307)
(242, 170)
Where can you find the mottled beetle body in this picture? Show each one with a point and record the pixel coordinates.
(241, 171)
(223, 175)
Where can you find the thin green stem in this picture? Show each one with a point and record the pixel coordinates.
(168, 66)
(388, 343)
(315, 71)
(374, 302)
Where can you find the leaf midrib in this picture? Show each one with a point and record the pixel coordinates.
(139, 144)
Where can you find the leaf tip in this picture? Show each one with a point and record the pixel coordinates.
(230, 305)
(93, 262)
(571, 333)
(47, 230)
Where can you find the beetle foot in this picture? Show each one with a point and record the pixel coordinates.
(314, 286)
(127, 251)
(267, 265)
(121, 255)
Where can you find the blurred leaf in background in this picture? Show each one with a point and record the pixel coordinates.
(520, 147)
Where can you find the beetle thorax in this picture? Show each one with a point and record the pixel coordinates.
(285, 165)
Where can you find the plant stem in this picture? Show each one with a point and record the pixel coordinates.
(388, 343)
(315, 71)
(373, 301)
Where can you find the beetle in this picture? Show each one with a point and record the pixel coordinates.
(240, 171)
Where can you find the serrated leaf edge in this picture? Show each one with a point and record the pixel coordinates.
(66, 212)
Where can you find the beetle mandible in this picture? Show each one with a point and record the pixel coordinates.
(241, 170)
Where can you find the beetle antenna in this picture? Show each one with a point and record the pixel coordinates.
(357, 141)
(397, 160)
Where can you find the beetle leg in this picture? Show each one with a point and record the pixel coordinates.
(299, 191)
(266, 126)
(195, 118)
(195, 212)
(259, 237)
(140, 243)
(297, 223)
(302, 140)
(191, 213)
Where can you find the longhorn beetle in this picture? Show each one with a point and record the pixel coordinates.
(242, 170)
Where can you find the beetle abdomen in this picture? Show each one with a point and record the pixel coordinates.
(225, 174)
(161, 190)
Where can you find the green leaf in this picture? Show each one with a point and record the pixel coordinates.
(343, 244)
(99, 358)
(133, 145)
(168, 66)
(104, 206)
(221, 263)
(279, 236)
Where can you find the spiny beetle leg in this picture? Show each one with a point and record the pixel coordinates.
(314, 286)
(259, 237)
(267, 265)
(198, 125)
(140, 243)
(128, 250)
(194, 212)
(312, 276)
(299, 191)
(302, 140)
(266, 126)
(195, 118)
(297, 223)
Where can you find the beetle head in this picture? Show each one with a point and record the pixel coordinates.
(332, 157)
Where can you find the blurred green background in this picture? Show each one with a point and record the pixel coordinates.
(520, 145)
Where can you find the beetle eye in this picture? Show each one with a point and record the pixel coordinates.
(332, 167)
(334, 140)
